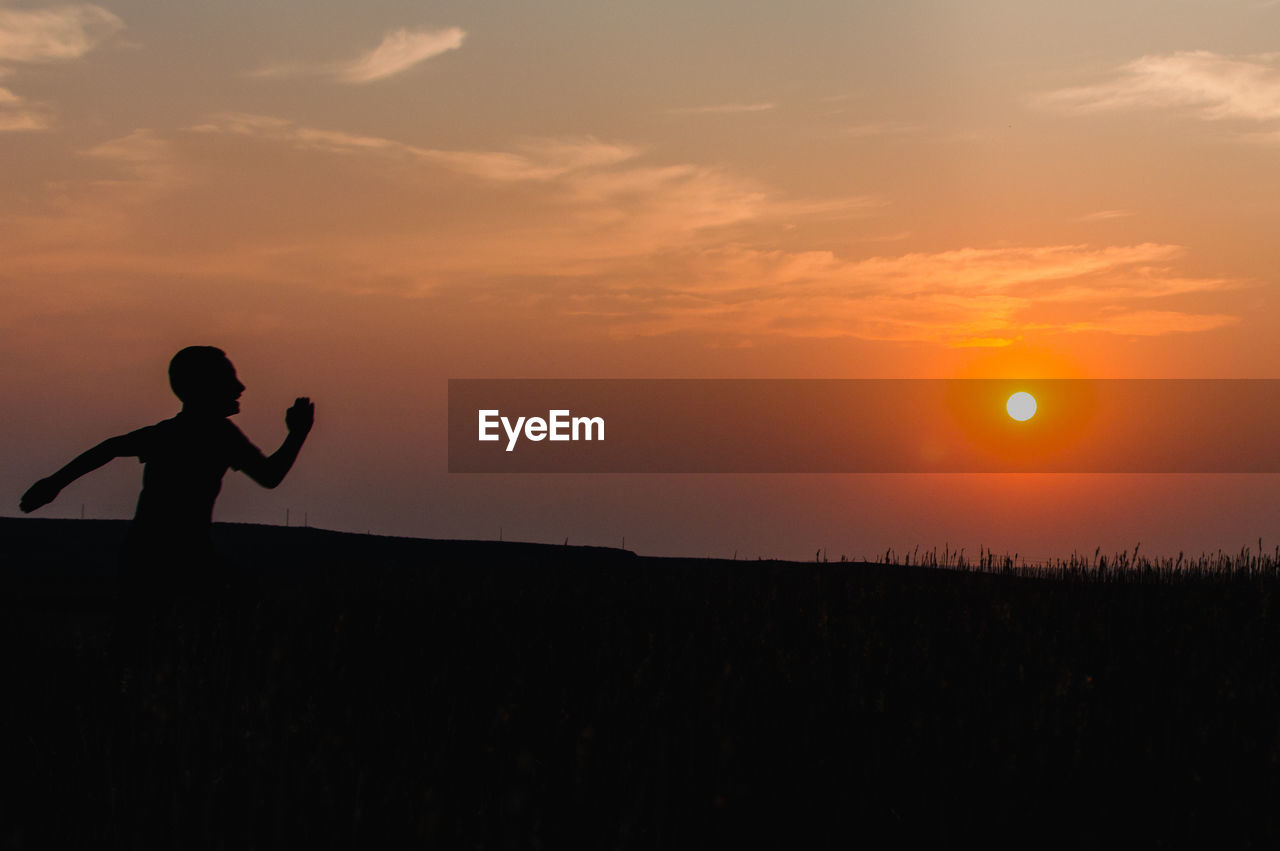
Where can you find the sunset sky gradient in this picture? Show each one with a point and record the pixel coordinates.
(360, 201)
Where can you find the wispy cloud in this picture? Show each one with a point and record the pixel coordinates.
(1212, 86)
(541, 159)
(17, 115)
(595, 181)
(19, 120)
(896, 236)
(722, 109)
(591, 204)
(82, 221)
(142, 156)
(556, 211)
(585, 228)
(55, 34)
(1151, 323)
(400, 50)
(35, 36)
(965, 297)
(1105, 215)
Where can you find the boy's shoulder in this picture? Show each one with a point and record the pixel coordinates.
(184, 429)
(198, 423)
(222, 431)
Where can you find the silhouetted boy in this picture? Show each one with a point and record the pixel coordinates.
(168, 547)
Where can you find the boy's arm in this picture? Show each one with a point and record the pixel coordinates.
(44, 491)
(270, 471)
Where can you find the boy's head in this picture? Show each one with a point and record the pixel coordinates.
(205, 381)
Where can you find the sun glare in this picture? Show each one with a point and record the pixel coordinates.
(1021, 406)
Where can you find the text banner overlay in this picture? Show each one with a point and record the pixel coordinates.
(864, 426)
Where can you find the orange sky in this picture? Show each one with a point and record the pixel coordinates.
(359, 202)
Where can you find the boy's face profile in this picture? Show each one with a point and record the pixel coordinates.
(225, 390)
(205, 380)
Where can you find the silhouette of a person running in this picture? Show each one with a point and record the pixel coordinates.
(168, 547)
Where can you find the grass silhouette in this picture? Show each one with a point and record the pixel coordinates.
(498, 695)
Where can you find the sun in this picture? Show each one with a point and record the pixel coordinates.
(1021, 406)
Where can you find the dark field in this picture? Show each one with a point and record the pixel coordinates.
(392, 693)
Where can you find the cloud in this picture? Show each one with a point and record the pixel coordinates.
(1151, 323)
(547, 216)
(576, 227)
(963, 297)
(55, 34)
(896, 236)
(647, 249)
(577, 206)
(22, 120)
(722, 109)
(537, 160)
(1105, 215)
(142, 156)
(590, 174)
(1211, 86)
(105, 223)
(16, 115)
(400, 50)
